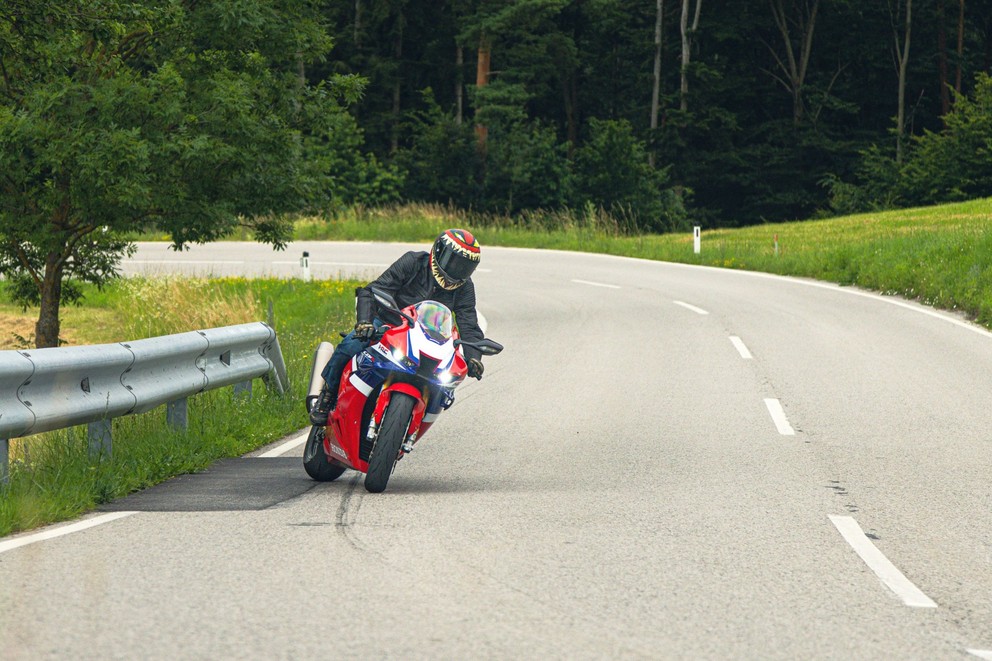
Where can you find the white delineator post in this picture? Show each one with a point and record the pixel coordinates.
(696, 239)
(305, 263)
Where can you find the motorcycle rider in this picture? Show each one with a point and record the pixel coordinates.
(444, 275)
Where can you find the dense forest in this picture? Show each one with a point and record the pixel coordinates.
(727, 111)
(198, 118)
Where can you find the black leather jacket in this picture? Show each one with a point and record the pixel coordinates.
(409, 280)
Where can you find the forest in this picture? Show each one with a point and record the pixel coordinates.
(726, 112)
(202, 118)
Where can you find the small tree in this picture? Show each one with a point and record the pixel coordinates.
(117, 116)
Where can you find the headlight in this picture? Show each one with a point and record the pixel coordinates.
(445, 377)
(398, 356)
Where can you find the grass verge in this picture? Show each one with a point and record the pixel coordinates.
(52, 475)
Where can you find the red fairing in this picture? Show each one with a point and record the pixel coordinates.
(345, 423)
(407, 389)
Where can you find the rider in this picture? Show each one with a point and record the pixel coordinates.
(442, 275)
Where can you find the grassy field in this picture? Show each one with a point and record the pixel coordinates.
(939, 255)
(52, 476)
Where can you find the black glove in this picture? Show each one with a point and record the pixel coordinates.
(475, 368)
(364, 331)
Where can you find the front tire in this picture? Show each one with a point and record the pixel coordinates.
(395, 422)
(316, 461)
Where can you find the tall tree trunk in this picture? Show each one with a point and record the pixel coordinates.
(459, 84)
(656, 89)
(397, 86)
(570, 93)
(46, 331)
(795, 67)
(358, 24)
(481, 80)
(687, 34)
(945, 95)
(957, 77)
(902, 57)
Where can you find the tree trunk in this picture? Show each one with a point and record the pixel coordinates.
(945, 95)
(459, 84)
(957, 77)
(687, 34)
(794, 67)
(481, 80)
(358, 24)
(902, 56)
(397, 86)
(656, 89)
(46, 331)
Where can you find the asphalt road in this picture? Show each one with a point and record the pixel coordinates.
(667, 462)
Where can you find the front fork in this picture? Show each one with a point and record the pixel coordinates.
(413, 428)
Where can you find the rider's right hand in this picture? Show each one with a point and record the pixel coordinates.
(364, 330)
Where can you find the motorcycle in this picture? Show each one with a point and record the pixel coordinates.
(390, 394)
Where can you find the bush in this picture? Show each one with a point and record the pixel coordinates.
(612, 172)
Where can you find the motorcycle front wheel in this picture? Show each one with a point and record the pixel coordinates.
(395, 422)
(316, 462)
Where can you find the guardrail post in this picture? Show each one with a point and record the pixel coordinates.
(101, 439)
(4, 458)
(176, 414)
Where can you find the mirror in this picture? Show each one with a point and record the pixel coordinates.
(486, 347)
(384, 298)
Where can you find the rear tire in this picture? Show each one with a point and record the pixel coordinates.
(395, 422)
(316, 461)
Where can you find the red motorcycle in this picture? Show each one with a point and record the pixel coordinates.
(390, 394)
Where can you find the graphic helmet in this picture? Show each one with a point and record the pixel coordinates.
(454, 256)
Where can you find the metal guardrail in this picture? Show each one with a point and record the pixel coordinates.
(47, 389)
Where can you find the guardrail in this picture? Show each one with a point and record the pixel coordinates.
(47, 389)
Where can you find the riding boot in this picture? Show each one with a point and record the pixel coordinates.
(322, 407)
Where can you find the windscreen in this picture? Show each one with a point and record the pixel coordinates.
(435, 319)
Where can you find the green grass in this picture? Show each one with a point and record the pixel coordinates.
(939, 255)
(53, 477)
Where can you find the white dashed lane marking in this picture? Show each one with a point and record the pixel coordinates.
(741, 348)
(778, 417)
(878, 563)
(690, 307)
(596, 284)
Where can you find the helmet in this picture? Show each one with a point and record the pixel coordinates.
(454, 257)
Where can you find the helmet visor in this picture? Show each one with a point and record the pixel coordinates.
(455, 266)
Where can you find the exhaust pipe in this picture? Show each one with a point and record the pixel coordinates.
(320, 357)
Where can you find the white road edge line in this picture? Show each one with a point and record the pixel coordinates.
(778, 417)
(741, 348)
(691, 307)
(185, 261)
(11, 544)
(981, 654)
(597, 284)
(286, 447)
(894, 579)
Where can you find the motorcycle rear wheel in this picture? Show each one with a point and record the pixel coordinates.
(395, 422)
(316, 462)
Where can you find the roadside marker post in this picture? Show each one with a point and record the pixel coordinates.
(696, 239)
(305, 263)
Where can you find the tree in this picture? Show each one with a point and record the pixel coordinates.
(796, 64)
(687, 35)
(656, 86)
(117, 115)
(902, 62)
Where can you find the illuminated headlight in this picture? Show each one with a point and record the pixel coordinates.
(398, 356)
(445, 377)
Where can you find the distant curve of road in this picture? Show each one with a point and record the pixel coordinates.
(666, 462)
